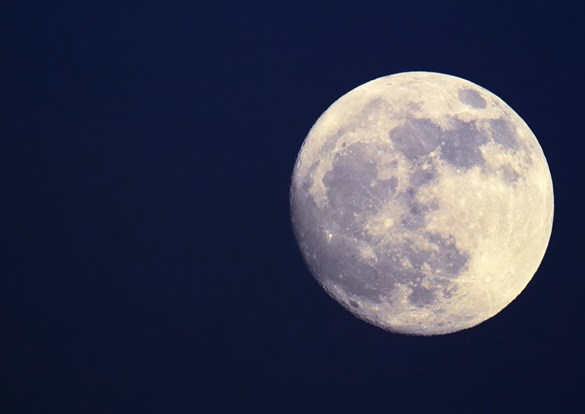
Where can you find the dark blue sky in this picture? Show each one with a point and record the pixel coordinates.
(150, 265)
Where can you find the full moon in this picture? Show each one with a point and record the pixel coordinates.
(422, 203)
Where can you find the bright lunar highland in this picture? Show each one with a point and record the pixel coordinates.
(422, 203)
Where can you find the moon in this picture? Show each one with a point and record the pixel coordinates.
(422, 203)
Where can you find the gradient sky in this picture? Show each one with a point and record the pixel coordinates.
(150, 265)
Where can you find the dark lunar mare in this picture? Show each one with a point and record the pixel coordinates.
(417, 138)
(336, 260)
(503, 133)
(355, 194)
(349, 185)
(472, 98)
(461, 145)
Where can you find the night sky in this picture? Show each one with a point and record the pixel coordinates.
(149, 263)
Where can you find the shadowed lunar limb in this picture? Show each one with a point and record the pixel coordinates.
(422, 203)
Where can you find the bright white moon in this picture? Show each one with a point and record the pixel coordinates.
(422, 203)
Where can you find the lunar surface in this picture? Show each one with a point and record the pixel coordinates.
(422, 203)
